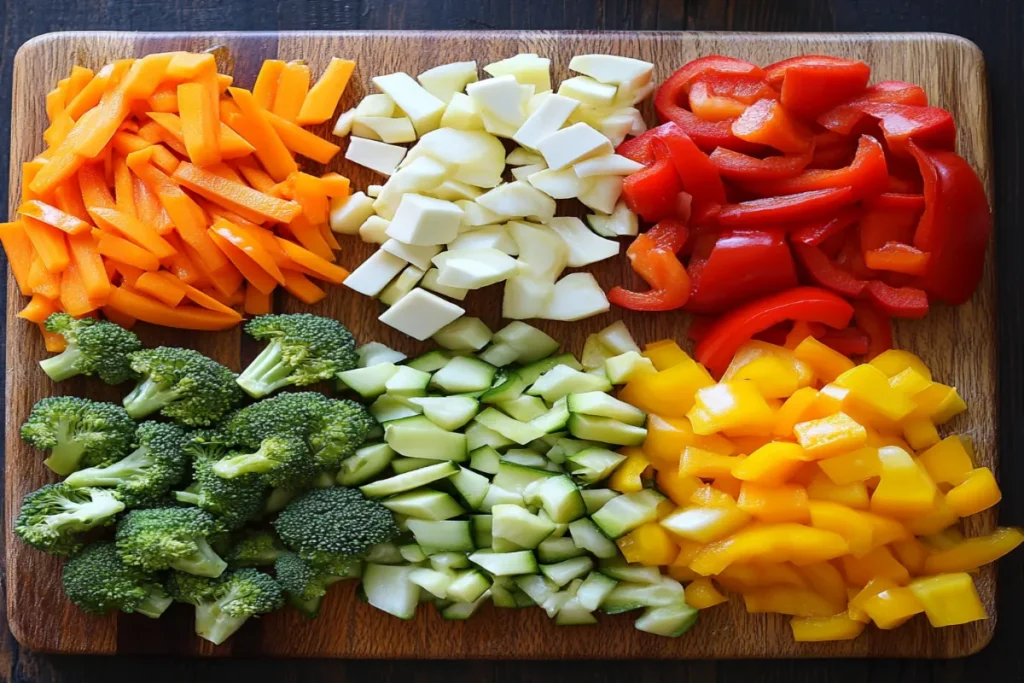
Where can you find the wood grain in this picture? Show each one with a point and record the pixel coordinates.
(959, 344)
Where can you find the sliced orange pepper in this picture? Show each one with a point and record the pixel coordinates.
(323, 97)
(301, 141)
(301, 287)
(250, 203)
(186, 317)
(133, 229)
(292, 87)
(265, 89)
(38, 309)
(252, 126)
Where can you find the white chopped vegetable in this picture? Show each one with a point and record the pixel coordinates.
(526, 68)
(588, 91)
(375, 273)
(401, 285)
(500, 99)
(541, 251)
(452, 190)
(523, 157)
(343, 126)
(376, 156)
(349, 213)
(418, 176)
(602, 193)
(384, 129)
(421, 314)
(584, 246)
(576, 296)
(373, 230)
(465, 334)
(374, 190)
(447, 79)
(573, 144)
(377, 104)
(417, 255)
(478, 157)
(609, 164)
(524, 172)
(624, 72)
(486, 237)
(375, 353)
(419, 105)
(474, 214)
(425, 220)
(429, 281)
(474, 268)
(563, 184)
(633, 97)
(461, 114)
(616, 127)
(525, 298)
(550, 116)
(518, 199)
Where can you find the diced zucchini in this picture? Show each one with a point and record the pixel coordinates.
(484, 459)
(524, 408)
(521, 433)
(595, 499)
(526, 457)
(559, 497)
(670, 620)
(468, 586)
(458, 611)
(588, 536)
(385, 553)
(409, 480)
(530, 343)
(424, 504)
(465, 334)
(624, 513)
(617, 338)
(532, 372)
(554, 420)
(464, 374)
(432, 581)
(606, 430)
(432, 444)
(498, 355)
(389, 589)
(600, 404)
(516, 478)
(431, 361)
(595, 353)
(445, 562)
(561, 528)
(412, 553)
(518, 525)
(503, 545)
(413, 422)
(624, 367)
(595, 588)
(538, 587)
(472, 487)
(565, 571)
(452, 535)
(499, 496)
(374, 353)
(478, 436)
(401, 465)
(369, 382)
(591, 465)
(620, 570)
(502, 592)
(407, 381)
(387, 409)
(508, 386)
(563, 380)
(448, 412)
(505, 564)
(558, 549)
(573, 613)
(481, 530)
(365, 464)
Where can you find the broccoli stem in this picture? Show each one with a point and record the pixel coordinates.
(156, 603)
(85, 516)
(204, 562)
(190, 495)
(148, 397)
(267, 373)
(214, 624)
(66, 456)
(245, 463)
(116, 474)
(279, 498)
(62, 366)
(309, 607)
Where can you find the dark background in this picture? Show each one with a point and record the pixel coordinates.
(997, 26)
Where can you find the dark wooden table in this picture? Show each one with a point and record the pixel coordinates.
(995, 25)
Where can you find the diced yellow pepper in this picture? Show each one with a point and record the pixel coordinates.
(824, 629)
(828, 436)
(799, 602)
(859, 465)
(771, 464)
(930, 523)
(949, 599)
(893, 362)
(727, 484)
(794, 410)
(731, 407)
(679, 569)
(660, 342)
(666, 354)
(910, 382)
(774, 504)
(972, 553)
(773, 542)
(879, 439)
(677, 487)
(870, 387)
(920, 433)
(853, 526)
(708, 496)
(951, 406)
(705, 524)
(912, 554)
(775, 370)
(853, 495)
(827, 363)
(829, 401)
(893, 607)
(860, 598)
(670, 392)
(905, 490)
(939, 403)
(649, 544)
(948, 461)
(697, 462)
(879, 562)
(885, 530)
(626, 477)
(668, 436)
(702, 594)
(828, 582)
(945, 539)
(976, 493)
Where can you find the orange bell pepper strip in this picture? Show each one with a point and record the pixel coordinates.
(126, 142)
(249, 269)
(73, 296)
(187, 66)
(184, 317)
(54, 217)
(301, 141)
(41, 281)
(149, 210)
(145, 75)
(20, 253)
(38, 309)
(217, 211)
(129, 273)
(195, 295)
(252, 126)
(135, 230)
(79, 78)
(58, 130)
(292, 87)
(250, 203)
(48, 242)
(308, 235)
(119, 318)
(225, 172)
(309, 195)
(323, 97)
(95, 193)
(124, 188)
(979, 491)
(89, 96)
(774, 504)
(90, 266)
(766, 122)
(200, 124)
(232, 145)
(119, 249)
(255, 176)
(155, 286)
(896, 257)
(253, 248)
(265, 89)
(55, 101)
(301, 287)
(328, 235)
(334, 185)
(181, 264)
(971, 553)
(256, 302)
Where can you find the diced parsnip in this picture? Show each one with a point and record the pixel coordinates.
(377, 104)
(588, 91)
(526, 68)
(609, 164)
(343, 126)
(461, 114)
(375, 273)
(475, 215)
(401, 285)
(487, 237)
(584, 246)
(429, 281)
(549, 117)
(388, 130)
(419, 176)
(573, 144)
(465, 334)
(523, 157)
(477, 157)
(524, 172)
(417, 255)
(563, 184)
(376, 156)
(525, 298)
(446, 80)
(425, 221)
(576, 296)
(474, 268)
(615, 127)
(349, 213)
(451, 190)
(518, 199)
(602, 193)
(541, 251)
(500, 103)
(625, 72)
(421, 314)
(420, 106)
(374, 230)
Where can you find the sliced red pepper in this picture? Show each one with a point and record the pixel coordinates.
(810, 304)
(844, 118)
(669, 234)
(850, 257)
(670, 284)
(927, 126)
(876, 325)
(878, 226)
(743, 265)
(716, 64)
(897, 257)
(897, 201)
(653, 192)
(812, 84)
(698, 175)
(639, 148)
(817, 231)
(849, 342)
(741, 167)
(717, 96)
(766, 122)
(788, 209)
(898, 302)
(955, 227)
(832, 150)
(824, 272)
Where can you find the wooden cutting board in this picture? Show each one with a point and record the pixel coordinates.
(958, 344)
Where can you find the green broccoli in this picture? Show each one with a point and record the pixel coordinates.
(304, 349)
(149, 473)
(98, 581)
(304, 587)
(234, 502)
(183, 385)
(333, 528)
(342, 428)
(94, 347)
(170, 538)
(224, 604)
(54, 518)
(256, 549)
(79, 432)
(280, 461)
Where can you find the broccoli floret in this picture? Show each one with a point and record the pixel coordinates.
(54, 518)
(149, 473)
(94, 347)
(170, 538)
(333, 528)
(304, 587)
(224, 604)
(256, 549)
(342, 428)
(280, 461)
(304, 349)
(234, 502)
(183, 385)
(98, 581)
(79, 432)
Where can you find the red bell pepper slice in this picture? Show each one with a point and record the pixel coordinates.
(824, 272)
(816, 232)
(813, 84)
(766, 122)
(653, 192)
(730, 332)
(832, 150)
(715, 64)
(669, 234)
(653, 258)
(850, 257)
(639, 148)
(876, 325)
(788, 209)
(741, 167)
(955, 227)
(897, 257)
(897, 201)
(742, 265)
(849, 342)
(898, 302)
(698, 175)
(717, 96)
(844, 118)
(879, 226)
(928, 126)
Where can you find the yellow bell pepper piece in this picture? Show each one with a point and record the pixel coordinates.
(945, 539)
(774, 370)
(978, 492)
(670, 392)
(679, 569)
(727, 484)
(879, 562)
(912, 554)
(799, 602)
(668, 436)
(930, 523)
(828, 436)
(649, 544)
(794, 410)
(972, 553)
(774, 504)
(697, 462)
(853, 495)
(860, 598)
(910, 382)
(708, 496)
(771, 464)
(741, 578)
(666, 354)
(949, 599)
(948, 461)
(626, 477)
(702, 594)
(705, 524)
(920, 433)
(869, 387)
(823, 629)
(939, 403)
(905, 490)
(827, 363)
(885, 530)
(858, 465)
(879, 439)
(828, 582)
(774, 542)
(893, 362)
(731, 407)
(829, 401)
(677, 487)
(893, 607)
(852, 525)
